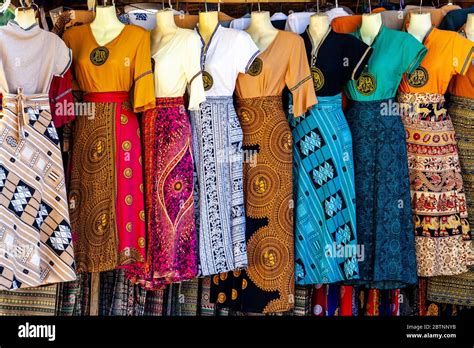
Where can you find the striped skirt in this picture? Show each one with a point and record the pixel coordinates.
(325, 212)
(220, 214)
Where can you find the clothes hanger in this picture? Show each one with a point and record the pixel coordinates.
(5, 6)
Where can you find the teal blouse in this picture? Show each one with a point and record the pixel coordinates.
(394, 53)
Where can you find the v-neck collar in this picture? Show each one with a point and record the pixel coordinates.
(111, 42)
(315, 50)
(210, 39)
(206, 47)
(175, 35)
(14, 23)
(427, 35)
(381, 30)
(275, 39)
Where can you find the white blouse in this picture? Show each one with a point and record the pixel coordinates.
(177, 66)
(228, 53)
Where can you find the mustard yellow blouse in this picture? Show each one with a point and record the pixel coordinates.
(122, 65)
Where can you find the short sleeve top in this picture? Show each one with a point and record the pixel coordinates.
(30, 58)
(228, 53)
(121, 65)
(338, 59)
(463, 85)
(448, 54)
(394, 53)
(282, 64)
(177, 64)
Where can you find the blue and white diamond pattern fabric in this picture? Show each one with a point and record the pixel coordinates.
(21, 197)
(61, 237)
(310, 143)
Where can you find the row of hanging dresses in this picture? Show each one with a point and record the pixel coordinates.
(384, 219)
(438, 198)
(323, 168)
(106, 193)
(171, 232)
(217, 149)
(267, 285)
(459, 289)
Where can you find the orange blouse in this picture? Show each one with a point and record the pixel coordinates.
(448, 54)
(463, 86)
(283, 63)
(122, 65)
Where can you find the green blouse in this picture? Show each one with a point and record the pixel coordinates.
(394, 53)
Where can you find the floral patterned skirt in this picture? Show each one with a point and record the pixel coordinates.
(438, 198)
(172, 246)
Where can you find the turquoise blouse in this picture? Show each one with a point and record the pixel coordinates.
(394, 53)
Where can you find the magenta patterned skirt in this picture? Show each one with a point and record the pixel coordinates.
(171, 230)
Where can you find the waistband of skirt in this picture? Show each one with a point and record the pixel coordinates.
(169, 102)
(220, 99)
(31, 100)
(106, 97)
(464, 102)
(421, 98)
(369, 103)
(259, 101)
(330, 100)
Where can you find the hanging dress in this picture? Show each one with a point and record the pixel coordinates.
(218, 155)
(459, 289)
(35, 233)
(323, 169)
(172, 240)
(438, 198)
(383, 214)
(267, 285)
(106, 198)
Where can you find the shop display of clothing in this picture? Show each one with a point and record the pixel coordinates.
(267, 285)
(218, 155)
(172, 240)
(106, 197)
(196, 179)
(438, 198)
(383, 214)
(323, 171)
